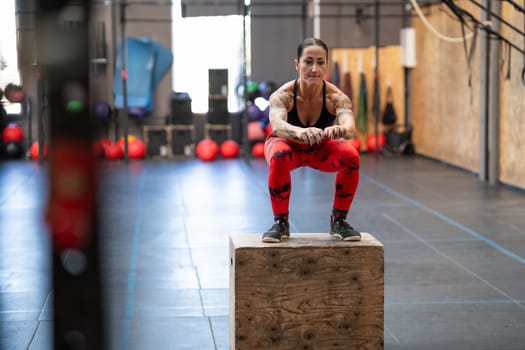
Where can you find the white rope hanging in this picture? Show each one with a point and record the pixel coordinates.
(427, 24)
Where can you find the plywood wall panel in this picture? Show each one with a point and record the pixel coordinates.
(512, 111)
(446, 94)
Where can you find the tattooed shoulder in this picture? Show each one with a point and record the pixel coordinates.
(342, 101)
(280, 98)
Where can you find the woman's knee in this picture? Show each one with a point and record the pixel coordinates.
(280, 158)
(350, 156)
(278, 153)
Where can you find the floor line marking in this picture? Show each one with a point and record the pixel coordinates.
(212, 333)
(435, 240)
(132, 272)
(454, 261)
(454, 302)
(392, 335)
(446, 219)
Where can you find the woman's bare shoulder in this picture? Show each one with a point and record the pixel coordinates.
(334, 93)
(283, 92)
(331, 88)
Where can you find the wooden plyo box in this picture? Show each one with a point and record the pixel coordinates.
(310, 292)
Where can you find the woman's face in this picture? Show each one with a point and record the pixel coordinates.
(313, 65)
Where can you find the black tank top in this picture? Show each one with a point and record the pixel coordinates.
(325, 119)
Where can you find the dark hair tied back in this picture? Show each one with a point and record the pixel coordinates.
(310, 42)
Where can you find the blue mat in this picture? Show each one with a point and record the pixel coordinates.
(147, 62)
(163, 61)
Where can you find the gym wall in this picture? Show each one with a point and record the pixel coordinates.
(351, 24)
(275, 38)
(446, 107)
(272, 58)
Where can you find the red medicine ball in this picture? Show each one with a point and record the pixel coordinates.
(12, 132)
(255, 131)
(371, 142)
(136, 149)
(113, 151)
(207, 150)
(258, 150)
(229, 149)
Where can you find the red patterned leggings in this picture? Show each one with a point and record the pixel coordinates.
(283, 156)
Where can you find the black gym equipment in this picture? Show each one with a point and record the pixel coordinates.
(13, 150)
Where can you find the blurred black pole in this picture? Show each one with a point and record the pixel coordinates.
(124, 74)
(407, 11)
(40, 115)
(376, 79)
(114, 39)
(244, 121)
(62, 46)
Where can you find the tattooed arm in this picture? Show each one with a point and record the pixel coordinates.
(344, 125)
(281, 102)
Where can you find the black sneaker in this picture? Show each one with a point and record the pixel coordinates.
(280, 230)
(340, 229)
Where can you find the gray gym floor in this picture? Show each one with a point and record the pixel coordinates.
(454, 250)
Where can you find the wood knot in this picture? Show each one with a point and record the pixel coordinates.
(305, 272)
(310, 261)
(309, 336)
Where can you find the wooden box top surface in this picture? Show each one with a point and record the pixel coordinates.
(315, 240)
